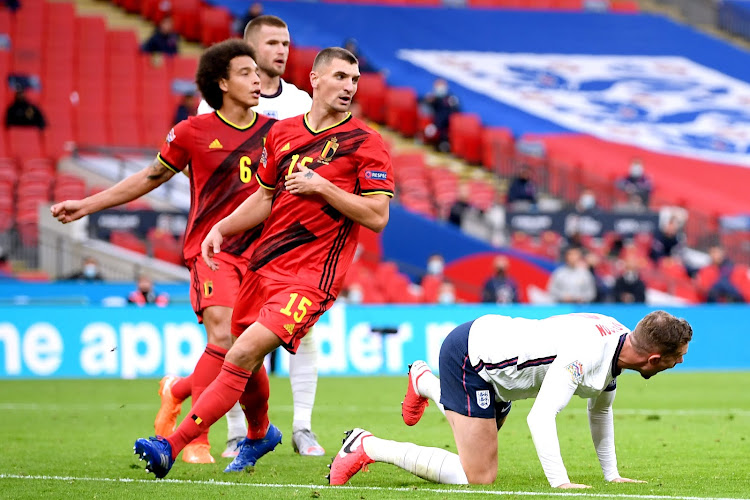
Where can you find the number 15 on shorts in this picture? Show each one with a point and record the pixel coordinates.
(300, 311)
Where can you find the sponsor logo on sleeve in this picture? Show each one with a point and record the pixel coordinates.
(376, 175)
(576, 371)
(170, 136)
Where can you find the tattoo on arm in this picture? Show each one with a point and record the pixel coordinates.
(157, 171)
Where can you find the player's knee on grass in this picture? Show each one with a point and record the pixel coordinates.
(481, 475)
(218, 323)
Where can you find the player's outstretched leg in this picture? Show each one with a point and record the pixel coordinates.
(361, 448)
(158, 455)
(303, 375)
(252, 449)
(170, 408)
(350, 459)
(414, 404)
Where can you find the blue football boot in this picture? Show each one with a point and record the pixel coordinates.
(158, 455)
(252, 449)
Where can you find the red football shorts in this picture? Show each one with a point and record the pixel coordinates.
(287, 309)
(215, 288)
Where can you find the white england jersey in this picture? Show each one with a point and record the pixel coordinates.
(515, 354)
(287, 102)
(552, 359)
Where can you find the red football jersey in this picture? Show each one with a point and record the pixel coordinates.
(305, 239)
(223, 159)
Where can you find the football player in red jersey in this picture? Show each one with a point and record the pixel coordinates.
(223, 150)
(323, 174)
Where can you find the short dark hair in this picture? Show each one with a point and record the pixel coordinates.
(661, 332)
(260, 21)
(214, 65)
(325, 57)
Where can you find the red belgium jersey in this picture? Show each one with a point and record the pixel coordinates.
(223, 159)
(305, 240)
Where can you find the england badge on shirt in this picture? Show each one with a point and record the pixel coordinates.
(483, 399)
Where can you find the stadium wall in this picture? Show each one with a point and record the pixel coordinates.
(99, 342)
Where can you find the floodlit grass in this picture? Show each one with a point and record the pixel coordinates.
(687, 434)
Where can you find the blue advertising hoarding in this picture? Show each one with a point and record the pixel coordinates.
(130, 342)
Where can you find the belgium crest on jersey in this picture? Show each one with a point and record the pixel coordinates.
(328, 150)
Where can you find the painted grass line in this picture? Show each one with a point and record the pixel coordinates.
(578, 493)
(686, 412)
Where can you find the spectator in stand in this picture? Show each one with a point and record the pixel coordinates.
(145, 293)
(89, 272)
(163, 40)
(636, 183)
(586, 203)
(500, 288)
(435, 265)
(460, 206)
(185, 109)
(365, 66)
(238, 26)
(24, 113)
(629, 287)
(603, 290)
(446, 293)
(439, 104)
(722, 289)
(572, 282)
(667, 241)
(522, 190)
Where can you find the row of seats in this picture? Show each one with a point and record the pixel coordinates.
(96, 86)
(193, 19)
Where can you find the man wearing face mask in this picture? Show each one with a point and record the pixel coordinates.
(89, 271)
(586, 202)
(500, 288)
(440, 104)
(636, 183)
(629, 287)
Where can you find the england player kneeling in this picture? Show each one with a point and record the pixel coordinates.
(494, 360)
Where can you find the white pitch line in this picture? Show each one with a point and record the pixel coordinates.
(368, 488)
(684, 412)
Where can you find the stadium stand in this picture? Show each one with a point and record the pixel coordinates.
(130, 101)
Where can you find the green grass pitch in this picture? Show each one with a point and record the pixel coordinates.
(687, 434)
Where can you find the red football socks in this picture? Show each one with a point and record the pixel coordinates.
(215, 401)
(182, 388)
(206, 371)
(254, 402)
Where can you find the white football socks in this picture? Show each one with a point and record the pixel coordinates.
(428, 386)
(236, 423)
(433, 464)
(303, 375)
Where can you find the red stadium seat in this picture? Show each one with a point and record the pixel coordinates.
(401, 110)
(127, 240)
(627, 6)
(497, 148)
(186, 15)
(216, 25)
(152, 10)
(25, 142)
(465, 131)
(371, 96)
(302, 60)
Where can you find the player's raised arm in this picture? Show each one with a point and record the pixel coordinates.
(250, 213)
(555, 393)
(126, 190)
